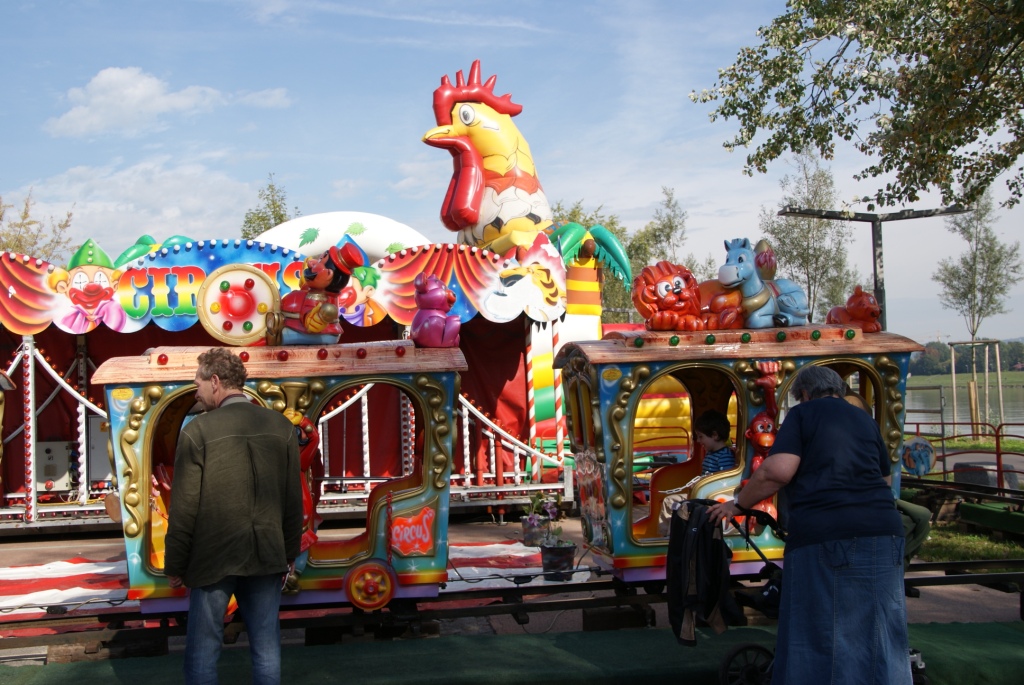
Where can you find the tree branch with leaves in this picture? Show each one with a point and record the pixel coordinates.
(811, 251)
(976, 284)
(931, 90)
(272, 211)
(23, 234)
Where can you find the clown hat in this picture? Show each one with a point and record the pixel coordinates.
(90, 254)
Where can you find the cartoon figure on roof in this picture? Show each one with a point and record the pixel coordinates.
(89, 284)
(361, 309)
(433, 326)
(495, 199)
(536, 286)
(668, 298)
(861, 309)
(766, 302)
(311, 314)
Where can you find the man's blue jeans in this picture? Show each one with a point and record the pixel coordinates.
(259, 599)
(843, 618)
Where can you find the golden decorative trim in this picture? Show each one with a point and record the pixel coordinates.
(291, 398)
(892, 427)
(621, 492)
(438, 426)
(132, 473)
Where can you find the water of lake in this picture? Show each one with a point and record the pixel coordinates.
(920, 399)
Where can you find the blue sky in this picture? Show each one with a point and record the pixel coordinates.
(167, 117)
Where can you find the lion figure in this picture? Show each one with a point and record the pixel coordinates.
(668, 297)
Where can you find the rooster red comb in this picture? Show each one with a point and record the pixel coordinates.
(447, 95)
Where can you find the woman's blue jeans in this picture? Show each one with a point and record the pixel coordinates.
(843, 617)
(259, 599)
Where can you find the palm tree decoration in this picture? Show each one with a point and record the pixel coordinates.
(586, 253)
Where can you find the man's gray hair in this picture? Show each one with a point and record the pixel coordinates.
(817, 381)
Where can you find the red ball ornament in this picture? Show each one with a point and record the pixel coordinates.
(244, 356)
(237, 304)
(282, 355)
(400, 351)
(249, 284)
(227, 325)
(162, 360)
(321, 354)
(361, 353)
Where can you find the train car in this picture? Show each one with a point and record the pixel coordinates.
(609, 382)
(403, 550)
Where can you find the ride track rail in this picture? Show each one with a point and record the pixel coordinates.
(517, 600)
(1009, 496)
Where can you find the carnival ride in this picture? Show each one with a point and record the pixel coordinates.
(423, 378)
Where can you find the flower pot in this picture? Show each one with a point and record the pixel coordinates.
(557, 561)
(534, 534)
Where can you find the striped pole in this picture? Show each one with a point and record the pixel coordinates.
(364, 406)
(28, 379)
(531, 404)
(557, 380)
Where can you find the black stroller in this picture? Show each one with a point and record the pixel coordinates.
(751, 664)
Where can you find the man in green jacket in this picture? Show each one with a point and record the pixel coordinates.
(235, 520)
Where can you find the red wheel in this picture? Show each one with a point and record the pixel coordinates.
(370, 585)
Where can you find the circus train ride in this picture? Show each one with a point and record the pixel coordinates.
(402, 551)
(421, 377)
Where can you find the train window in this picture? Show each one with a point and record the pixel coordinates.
(579, 415)
(863, 388)
(666, 460)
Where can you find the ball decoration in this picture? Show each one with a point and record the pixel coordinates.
(233, 302)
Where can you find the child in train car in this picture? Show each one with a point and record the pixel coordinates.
(711, 430)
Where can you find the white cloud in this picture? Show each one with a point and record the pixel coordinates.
(348, 187)
(272, 98)
(116, 204)
(130, 102)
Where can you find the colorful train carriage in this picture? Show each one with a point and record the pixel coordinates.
(403, 550)
(607, 382)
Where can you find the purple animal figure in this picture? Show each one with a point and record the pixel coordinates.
(432, 326)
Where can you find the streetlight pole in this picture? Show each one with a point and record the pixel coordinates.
(876, 221)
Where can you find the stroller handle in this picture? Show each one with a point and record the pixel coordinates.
(762, 517)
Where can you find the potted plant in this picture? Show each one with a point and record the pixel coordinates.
(536, 521)
(557, 556)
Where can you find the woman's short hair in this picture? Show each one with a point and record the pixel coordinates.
(817, 381)
(222, 363)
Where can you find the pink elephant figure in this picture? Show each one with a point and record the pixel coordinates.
(432, 326)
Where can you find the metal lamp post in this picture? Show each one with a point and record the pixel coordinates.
(876, 221)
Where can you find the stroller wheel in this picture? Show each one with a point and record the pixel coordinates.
(747, 665)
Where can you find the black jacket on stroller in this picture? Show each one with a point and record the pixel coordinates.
(697, 574)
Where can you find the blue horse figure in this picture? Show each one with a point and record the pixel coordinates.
(766, 303)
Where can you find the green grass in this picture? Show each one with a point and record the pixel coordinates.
(977, 444)
(1009, 378)
(947, 542)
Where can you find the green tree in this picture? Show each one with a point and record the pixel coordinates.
(810, 250)
(976, 283)
(930, 90)
(273, 210)
(933, 361)
(1011, 354)
(23, 234)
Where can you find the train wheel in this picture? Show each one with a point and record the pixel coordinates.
(370, 585)
(747, 665)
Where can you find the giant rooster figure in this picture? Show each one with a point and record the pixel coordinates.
(494, 199)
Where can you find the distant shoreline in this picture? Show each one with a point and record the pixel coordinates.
(1011, 379)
